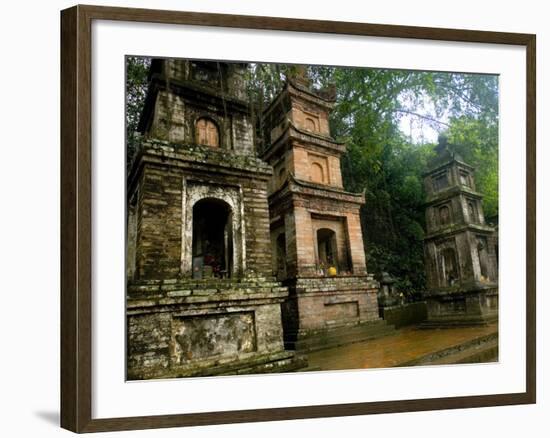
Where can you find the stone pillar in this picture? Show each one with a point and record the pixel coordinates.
(159, 238)
(355, 239)
(305, 254)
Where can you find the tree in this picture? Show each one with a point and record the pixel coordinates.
(388, 165)
(137, 69)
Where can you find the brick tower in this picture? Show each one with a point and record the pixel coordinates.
(316, 233)
(201, 298)
(460, 249)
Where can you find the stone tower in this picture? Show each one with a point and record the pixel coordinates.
(315, 225)
(201, 298)
(460, 248)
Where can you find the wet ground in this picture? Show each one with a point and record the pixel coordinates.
(406, 345)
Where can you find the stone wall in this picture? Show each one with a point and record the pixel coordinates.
(303, 113)
(300, 163)
(327, 301)
(465, 244)
(405, 314)
(175, 117)
(159, 223)
(223, 78)
(478, 305)
(164, 215)
(326, 311)
(181, 326)
(148, 343)
(459, 212)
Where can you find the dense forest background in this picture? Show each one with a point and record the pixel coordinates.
(389, 120)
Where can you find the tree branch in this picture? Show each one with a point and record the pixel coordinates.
(421, 116)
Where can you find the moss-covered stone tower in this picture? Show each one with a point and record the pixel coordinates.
(460, 249)
(316, 234)
(201, 296)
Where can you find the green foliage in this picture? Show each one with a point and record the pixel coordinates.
(137, 69)
(381, 160)
(477, 142)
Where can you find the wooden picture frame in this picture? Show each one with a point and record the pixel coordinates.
(76, 218)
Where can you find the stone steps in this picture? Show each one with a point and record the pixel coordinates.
(480, 354)
(478, 350)
(267, 363)
(457, 323)
(295, 363)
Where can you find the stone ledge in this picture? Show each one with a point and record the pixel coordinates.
(249, 363)
(452, 191)
(457, 228)
(168, 287)
(465, 289)
(460, 353)
(193, 156)
(221, 299)
(343, 282)
(299, 188)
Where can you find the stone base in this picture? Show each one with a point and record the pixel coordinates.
(462, 307)
(323, 312)
(206, 327)
(280, 362)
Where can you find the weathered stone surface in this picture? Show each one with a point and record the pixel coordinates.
(200, 337)
(460, 249)
(148, 345)
(187, 331)
(201, 298)
(315, 224)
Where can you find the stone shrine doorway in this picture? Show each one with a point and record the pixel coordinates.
(483, 258)
(326, 247)
(212, 239)
(450, 267)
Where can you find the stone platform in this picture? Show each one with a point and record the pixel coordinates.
(178, 328)
(463, 306)
(324, 312)
(479, 349)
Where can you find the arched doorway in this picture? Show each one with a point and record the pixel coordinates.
(212, 239)
(449, 266)
(444, 215)
(326, 247)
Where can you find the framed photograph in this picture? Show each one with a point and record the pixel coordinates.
(268, 219)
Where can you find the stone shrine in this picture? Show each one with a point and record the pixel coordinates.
(201, 297)
(316, 235)
(461, 250)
